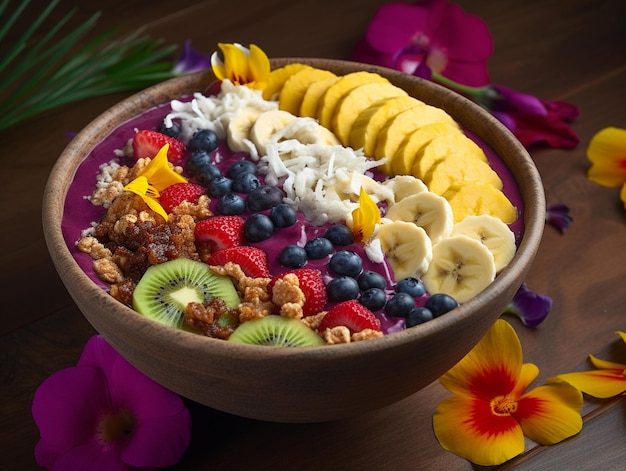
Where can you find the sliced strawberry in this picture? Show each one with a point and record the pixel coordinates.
(147, 143)
(252, 260)
(312, 285)
(220, 232)
(175, 194)
(351, 314)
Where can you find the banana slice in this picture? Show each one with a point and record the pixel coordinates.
(334, 93)
(493, 233)
(292, 92)
(278, 77)
(238, 129)
(266, 126)
(370, 121)
(404, 185)
(427, 210)
(355, 101)
(461, 267)
(407, 247)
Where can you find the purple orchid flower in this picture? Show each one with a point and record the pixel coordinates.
(532, 308)
(190, 60)
(104, 414)
(433, 34)
(557, 214)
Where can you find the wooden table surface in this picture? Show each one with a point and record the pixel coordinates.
(572, 51)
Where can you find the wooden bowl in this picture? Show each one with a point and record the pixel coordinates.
(308, 384)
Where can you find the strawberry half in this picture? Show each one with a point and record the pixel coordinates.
(351, 314)
(177, 193)
(220, 232)
(252, 260)
(147, 143)
(312, 285)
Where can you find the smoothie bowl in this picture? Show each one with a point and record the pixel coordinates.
(354, 352)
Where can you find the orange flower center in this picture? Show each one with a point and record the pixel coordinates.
(503, 405)
(113, 427)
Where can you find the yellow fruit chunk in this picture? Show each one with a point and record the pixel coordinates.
(476, 198)
(397, 128)
(312, 96)
(337, 90)
(370, 121)
(296, 85)
(402, 161)
(442, 146)
(355, 101)
(458, 168)
(277, 78)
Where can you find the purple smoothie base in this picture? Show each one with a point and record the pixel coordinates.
(80, 213)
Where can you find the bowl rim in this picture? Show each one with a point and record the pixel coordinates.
(534, 219)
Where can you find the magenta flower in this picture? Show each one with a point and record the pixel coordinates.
(557, 214)
(103, 414)
(190, 60)
(532, 308)
(429, 35)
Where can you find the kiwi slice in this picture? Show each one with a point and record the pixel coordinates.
(165, 289)
(276, 331)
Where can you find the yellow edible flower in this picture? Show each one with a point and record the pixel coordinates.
(607, 154)
(240, 65)
(365, 218)
(608, 380)
(486, 419)
(153, 179)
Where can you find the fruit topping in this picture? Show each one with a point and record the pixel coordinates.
(352, 315)
(276, 331)
(220, 232)
(203, 140)
(253, 261)
(312, 285)
(258, 227)
(178, 193)
(146, 144)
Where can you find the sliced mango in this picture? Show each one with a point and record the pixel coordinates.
(476, 198)
(296, 85)
(459, 167)
(312, 96)
(277, 78)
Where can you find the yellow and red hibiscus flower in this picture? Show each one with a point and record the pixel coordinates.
(607, 380)
(153, 179)
(486, 419)
(607, 154)
(241, 65)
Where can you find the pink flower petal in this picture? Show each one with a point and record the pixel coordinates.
(473, 74)
(159, 441)
(99, 353)
(93, 457)
(394, 26)
(67, 405)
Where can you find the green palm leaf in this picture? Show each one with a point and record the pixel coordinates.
(37, 76)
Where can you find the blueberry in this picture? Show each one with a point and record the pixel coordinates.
(283, 215)
(207, 174)
(411, 286)
(417, 316)
(440, 303)
(240, 167)
(400, 305)
(197, 161)
(342, 288)
(220, 186)
(245, 183)
(371, 279)
(258, 227)
(171, 131)
(264, 197)
(339, 234)
(231, 204)
(292, 256)
(203, 139)
(346, 262)
(373, 299)
(318, 248)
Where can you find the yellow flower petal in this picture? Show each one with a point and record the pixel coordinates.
(493, 367)
(259, 65)
(606, 365)
(365, 217)
(140, 186)
(597, 383)
(468, 428)
(159, 173)
(607, 154)
(550, 413)
(622, 194)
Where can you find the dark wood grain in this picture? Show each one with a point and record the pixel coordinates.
(573, 51)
